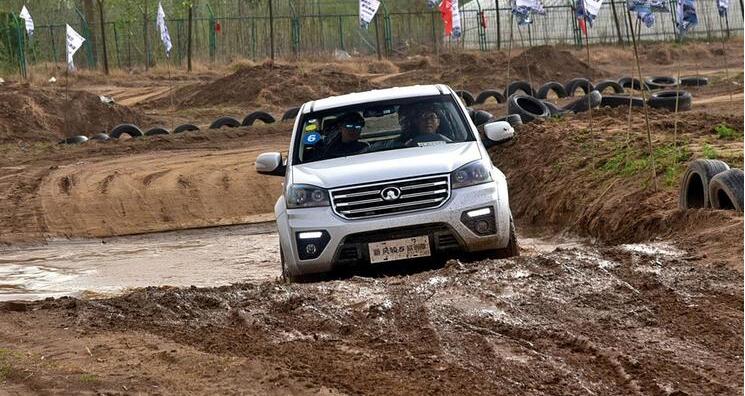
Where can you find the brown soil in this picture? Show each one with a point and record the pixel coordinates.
(547, 63)
(29, 113)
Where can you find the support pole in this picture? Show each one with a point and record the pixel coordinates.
(618, 25)
(103, 38)
(271, 28)
(377, 36)
(644, 105)
(188, 39)
(145, 36)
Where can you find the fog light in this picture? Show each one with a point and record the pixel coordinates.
(310, 235)
(482, 227)
(310, 244)
(478, 212)
(311, 249)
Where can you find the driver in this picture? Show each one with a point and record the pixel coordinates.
(425, 123)
(350, 127)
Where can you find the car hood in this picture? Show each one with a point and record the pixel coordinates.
(386, 165)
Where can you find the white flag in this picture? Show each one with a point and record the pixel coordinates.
(368, 8)
(29, 22)
(456, 20)
(161, 23)
(74, 42)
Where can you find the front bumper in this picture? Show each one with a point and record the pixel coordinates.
(444, 226)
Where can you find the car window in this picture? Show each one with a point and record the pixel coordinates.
(380, 126)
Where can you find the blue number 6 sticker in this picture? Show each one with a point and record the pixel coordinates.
(311, 138)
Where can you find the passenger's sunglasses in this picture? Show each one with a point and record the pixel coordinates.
(353, 126)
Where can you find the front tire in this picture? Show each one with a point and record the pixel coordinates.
(512, 249)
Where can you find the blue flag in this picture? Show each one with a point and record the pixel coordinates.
(645, 9)
(523, 10)
(588, 10)
(722, 5)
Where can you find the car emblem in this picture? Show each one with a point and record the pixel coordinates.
(390, 194)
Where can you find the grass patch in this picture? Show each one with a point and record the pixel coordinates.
(709, 152)
(88, 378)
(669, 161)
(724, 131)
(5, 365)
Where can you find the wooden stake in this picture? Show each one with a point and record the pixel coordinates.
(509, 50)
(646, 112)
(724, 54)
(589, 64)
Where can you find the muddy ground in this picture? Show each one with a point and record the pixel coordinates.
(617, 291)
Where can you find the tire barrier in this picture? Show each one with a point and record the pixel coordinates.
(591, 100)
(581, 83)
(555, 86)
(74, 140)
(290, 114)
(125, 129)
(226, 121)
(513, 119)
(694, 81)
(262, 116)
(694, 186)
(467, 97)
(528, 107)
(156, 131)
(520, 85)
(725, 190)
(621, 101)
(100, 137)
(185, 128)
(481, 117)
(661, 82)
(489, 93)
(605, 84)
(668, 99)
(632, 82)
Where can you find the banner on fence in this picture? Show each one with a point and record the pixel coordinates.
(645, 9)
(587, 11)
(523, 10)
(686, 16)
(161, 23)
(723, 6)
(28, 20)
(74, 42)
(368, 8)
(450, 16)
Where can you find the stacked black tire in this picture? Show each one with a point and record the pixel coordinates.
(711, 184)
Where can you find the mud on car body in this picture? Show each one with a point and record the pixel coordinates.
(389, 175)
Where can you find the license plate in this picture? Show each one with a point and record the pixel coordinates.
(399, 249)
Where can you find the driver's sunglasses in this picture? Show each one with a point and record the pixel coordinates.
(353, 126)
(429, 116)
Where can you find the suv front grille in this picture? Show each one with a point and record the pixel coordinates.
(358, 202)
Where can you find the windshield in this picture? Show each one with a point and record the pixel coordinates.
(380, 126)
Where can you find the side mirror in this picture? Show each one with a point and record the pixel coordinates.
(270, 164)
(499, 131)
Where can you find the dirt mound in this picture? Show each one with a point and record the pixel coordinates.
(30, 113)
(600, 183)
(273, 84)
(547, 63)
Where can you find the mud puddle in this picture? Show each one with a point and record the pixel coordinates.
(95, 268)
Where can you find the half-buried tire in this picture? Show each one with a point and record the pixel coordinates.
(694, 186)
(578, 83)
(553, 109)
(632, 82)
(229, 122)
(489, 93)
(125, 129)
(290, 114)
(262, 116)
(528, 107)
(74, 140)
(621, 101)
(694, 81)
(725, 190)
(466, 96)
(591, 100)
(515, 86)
(513, 119)
(156, 131)
(667, 100)
(185, 128)
(661, 82)
(100, 137)
(551, 86)
(605, 84)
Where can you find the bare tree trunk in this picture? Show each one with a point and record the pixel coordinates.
(90, 15)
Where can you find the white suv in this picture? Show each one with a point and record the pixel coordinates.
(387, 175)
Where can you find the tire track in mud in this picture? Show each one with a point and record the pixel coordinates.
(577, 321)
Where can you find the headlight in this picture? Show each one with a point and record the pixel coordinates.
(306, 196)
(470, 174)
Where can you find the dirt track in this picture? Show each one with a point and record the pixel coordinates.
(639, 298)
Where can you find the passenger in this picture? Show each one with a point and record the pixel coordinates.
(350, 127)
(425, 124)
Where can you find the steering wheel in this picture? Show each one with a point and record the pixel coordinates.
(427, 137)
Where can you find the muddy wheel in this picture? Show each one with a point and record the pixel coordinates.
(725, 190)
(667, 99)
(229, 122)
(489, 93)
(694, 187)
(512, 249)
(185, 128)
(551, 86)
(262, 116)
(582, 83)
(467, 97)
(528, 107)
(605, 84)
(286, 278)
(518, 86)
